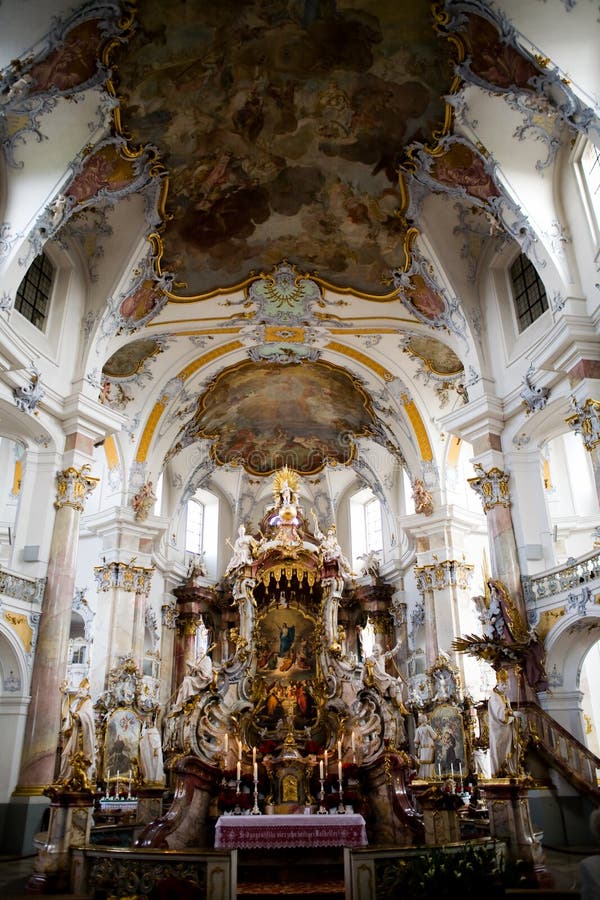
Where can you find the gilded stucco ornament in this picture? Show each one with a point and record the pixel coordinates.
(491, 487)
(586, 421)
(126, 576)
(74, 487)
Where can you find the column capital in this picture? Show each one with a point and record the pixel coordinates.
(74, 487)
(440, 575)
(491, 487)
(585, 421)
(135, 579)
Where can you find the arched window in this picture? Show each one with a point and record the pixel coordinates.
(366, 525)
(528, 292)
(194, 527)
(202, 528)
(33, 294)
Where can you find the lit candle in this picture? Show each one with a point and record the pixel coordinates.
(339, 749)
(254, 756)
(452, 769)
(239, 749)
(321, 769)
(117, 785)
(439, 770)
(460, 769)
(239, 770)
(352, 743)
(226, 744)
(325, 755)
(255, 772)
(340, 770)
(130, 781)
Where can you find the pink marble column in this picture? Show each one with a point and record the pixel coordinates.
(586, 422)
(43, 717)
(492, 488)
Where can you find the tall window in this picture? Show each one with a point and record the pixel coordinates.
(366, 525)
(590, 166)
(33, 294)
(528, 291)
(194, 529)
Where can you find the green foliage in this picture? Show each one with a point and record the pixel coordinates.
(470, 872)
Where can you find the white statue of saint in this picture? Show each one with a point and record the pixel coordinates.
(243, 550)
(151, 755)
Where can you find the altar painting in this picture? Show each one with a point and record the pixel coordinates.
(450, 752)
(285, 649)
(122, 743)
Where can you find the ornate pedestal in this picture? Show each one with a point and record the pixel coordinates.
(510, 821)
(440, 813)
(70, 824)
(149, 804)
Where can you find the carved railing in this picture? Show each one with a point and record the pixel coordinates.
(143, 873)
(576, 762)
(568, 577)
(20, 587)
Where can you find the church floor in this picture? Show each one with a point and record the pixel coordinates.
(562, 864)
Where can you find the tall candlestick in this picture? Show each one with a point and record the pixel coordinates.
(339, 749)
(321, 776)
(254, 756)
(255, 767)
(239, 770)
(340, 770)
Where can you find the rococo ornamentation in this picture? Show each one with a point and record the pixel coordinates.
(491, 487)
(74, 487)
(586, 421)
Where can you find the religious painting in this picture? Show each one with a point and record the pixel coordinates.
(424, 299)
(283, 125)
(462, 167)
(266, 417)
(74, 62)
(106, 170)
(493, 59)
(285, 649)
(437, 357)
(129, 359)
(121, 744)
(450, 750)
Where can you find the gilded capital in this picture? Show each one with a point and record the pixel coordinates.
(586, 422)
(169, 615)
(440, 575)
(491, 487)
(74, 487)
(135, 579)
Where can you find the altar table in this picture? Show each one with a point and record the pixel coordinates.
(252, 832)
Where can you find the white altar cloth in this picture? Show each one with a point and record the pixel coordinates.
(250, 832)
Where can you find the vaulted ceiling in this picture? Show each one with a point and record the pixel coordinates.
(313, 203)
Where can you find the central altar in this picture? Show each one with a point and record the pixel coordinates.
(264, 832)
(284, 700)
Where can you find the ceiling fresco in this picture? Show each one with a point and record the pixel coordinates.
(268, 416)
(282, 126)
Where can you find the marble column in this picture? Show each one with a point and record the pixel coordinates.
(510, 820)
(44, 714)
(585, 421)
(492, 488)
(127, 585)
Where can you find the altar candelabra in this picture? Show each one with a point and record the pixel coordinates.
(255, 811)
(341, 808)
(322, 810)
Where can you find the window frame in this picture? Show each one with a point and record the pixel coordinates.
(48, 299)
